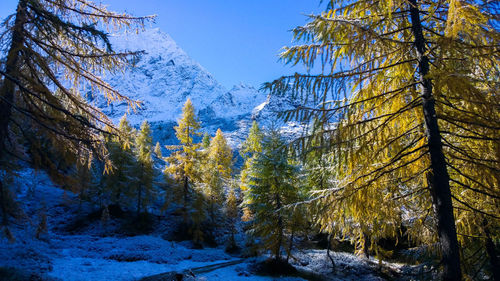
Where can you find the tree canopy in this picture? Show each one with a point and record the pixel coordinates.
(408, 99)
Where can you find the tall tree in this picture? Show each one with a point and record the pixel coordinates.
(409, 85)
(217, 172)
(158, 150)
(249, 150)
(120, 147)
(205, 141)
(145, 170)
(182, 163)
(55, 47)
(272, 187)
(232, 212)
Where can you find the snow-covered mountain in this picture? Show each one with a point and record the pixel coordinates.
(165, 76)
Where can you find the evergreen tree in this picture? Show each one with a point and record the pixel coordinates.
(83, 181)
(182, 164)
(144, 166)
(120, 147)
(232, 213)
(198, 215)
(253, 142)
(54, 47)
(96, 191)
(205, 141)
(272, 187)
(249, 149)
(415, 94)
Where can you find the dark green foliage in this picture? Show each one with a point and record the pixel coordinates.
(205, 141)
(118, 180)
(272, 186)
(144, 170)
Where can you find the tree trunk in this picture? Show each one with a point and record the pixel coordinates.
(184, 203)
(11, 69)
(439, 179)
(492, 254)
(140, 191)
(139, 200)
(366, 245)
(290, 245)
(328, 251)
(3, 204)
(280, 226)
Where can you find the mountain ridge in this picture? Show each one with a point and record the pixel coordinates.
(164, 77)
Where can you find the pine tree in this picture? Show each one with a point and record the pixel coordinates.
(120, 147)
(249, 149)
(205, 141)
(144, 166)
(83, 181)
(198, 216)
(182, 163)
(272, 187)
(232, 213)
(253, 143)
(53, 48)
(415, 94)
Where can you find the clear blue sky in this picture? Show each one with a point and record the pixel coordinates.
(234, 40)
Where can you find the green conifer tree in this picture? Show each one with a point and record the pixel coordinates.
(198, 215)
(249, 149)
(144, 166)
(205, 141)
(120, 147)
(232, 213)
(253, 143)
(272, 187)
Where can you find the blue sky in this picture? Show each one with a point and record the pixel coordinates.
(237, 41)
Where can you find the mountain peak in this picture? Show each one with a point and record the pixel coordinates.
(164, 77)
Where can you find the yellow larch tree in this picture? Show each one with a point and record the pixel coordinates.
(54, 48)
(408, 94)
(182, 164)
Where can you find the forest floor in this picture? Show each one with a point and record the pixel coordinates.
(66, 252)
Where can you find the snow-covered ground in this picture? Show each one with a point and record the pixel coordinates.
(90, 255)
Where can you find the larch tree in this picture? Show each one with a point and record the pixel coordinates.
(272, 187)
(158, 150)
(412, 89)
(53, 49)
(182, 164)
(144, 167)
